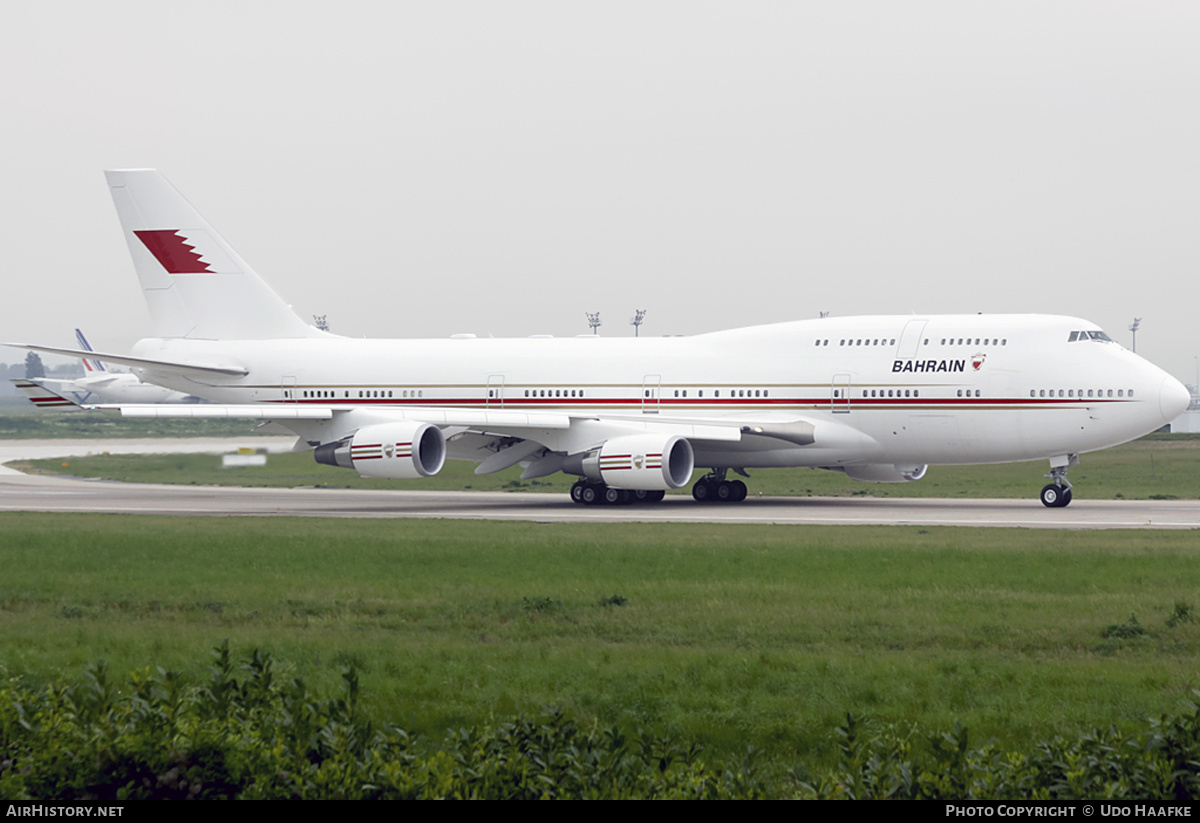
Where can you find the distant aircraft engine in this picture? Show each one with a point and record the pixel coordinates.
(393, 450)
(885, 472)
(640, 461)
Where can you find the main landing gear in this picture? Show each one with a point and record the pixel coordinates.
(598, 494)
(1058, 494)
(714, 488)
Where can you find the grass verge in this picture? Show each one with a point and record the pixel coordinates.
(731, 636)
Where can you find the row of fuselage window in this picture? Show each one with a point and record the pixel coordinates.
(1081, 393)
(646, 393)
(734, 393)
(888, 393)
(309, 394)
(946, 341)
(717, 393)
(322, 394)
(1093, 393)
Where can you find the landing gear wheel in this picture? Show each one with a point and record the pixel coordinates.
(589, 495)
(1055, 496)
(577, 491)
(739, 491)
(615, 497)
(1058, 493)
(644, 496)
(710, 489)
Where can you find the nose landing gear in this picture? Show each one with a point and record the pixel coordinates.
(1055, 496)
(1058, 494)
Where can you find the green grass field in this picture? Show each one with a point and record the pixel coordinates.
(735, 636)
(762, 636)
(27, 422)
(1158, 466)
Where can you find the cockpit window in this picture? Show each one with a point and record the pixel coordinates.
(1076, 336)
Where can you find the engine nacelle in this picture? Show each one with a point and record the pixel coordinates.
(885, 472)
(392, 450)
(647, 462)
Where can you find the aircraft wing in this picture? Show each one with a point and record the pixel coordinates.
(543, 442)
(497, 421)
(245, 411)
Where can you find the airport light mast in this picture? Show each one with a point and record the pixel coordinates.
(636, 320)
(1133, 327)
(593, 320)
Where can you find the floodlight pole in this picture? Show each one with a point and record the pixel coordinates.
(636, 320)
(1133, 327)
(593, 320)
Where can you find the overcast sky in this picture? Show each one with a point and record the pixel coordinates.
(421, 169)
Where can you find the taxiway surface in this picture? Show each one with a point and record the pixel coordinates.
(51, 494)
(21, 492)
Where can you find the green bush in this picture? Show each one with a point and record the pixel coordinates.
(242, 734)
(1161, 764)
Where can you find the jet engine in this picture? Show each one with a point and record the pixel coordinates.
(884, 472)
(639, 461)
(392, 450)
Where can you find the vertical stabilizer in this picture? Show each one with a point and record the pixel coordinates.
(195, 284)
(88, 364)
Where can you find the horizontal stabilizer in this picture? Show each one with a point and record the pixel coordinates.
(139, 362)
(39, 395)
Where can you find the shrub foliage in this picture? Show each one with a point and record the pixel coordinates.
(243, 734)
(1160, 764)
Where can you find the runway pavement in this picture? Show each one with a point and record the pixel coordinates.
(20, 492)
(34, 493)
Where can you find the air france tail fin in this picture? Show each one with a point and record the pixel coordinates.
(88, 364)
(195, 284)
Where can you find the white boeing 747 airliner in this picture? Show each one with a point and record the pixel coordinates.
(878, 398)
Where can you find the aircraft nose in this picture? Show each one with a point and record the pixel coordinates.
(1173, 398)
